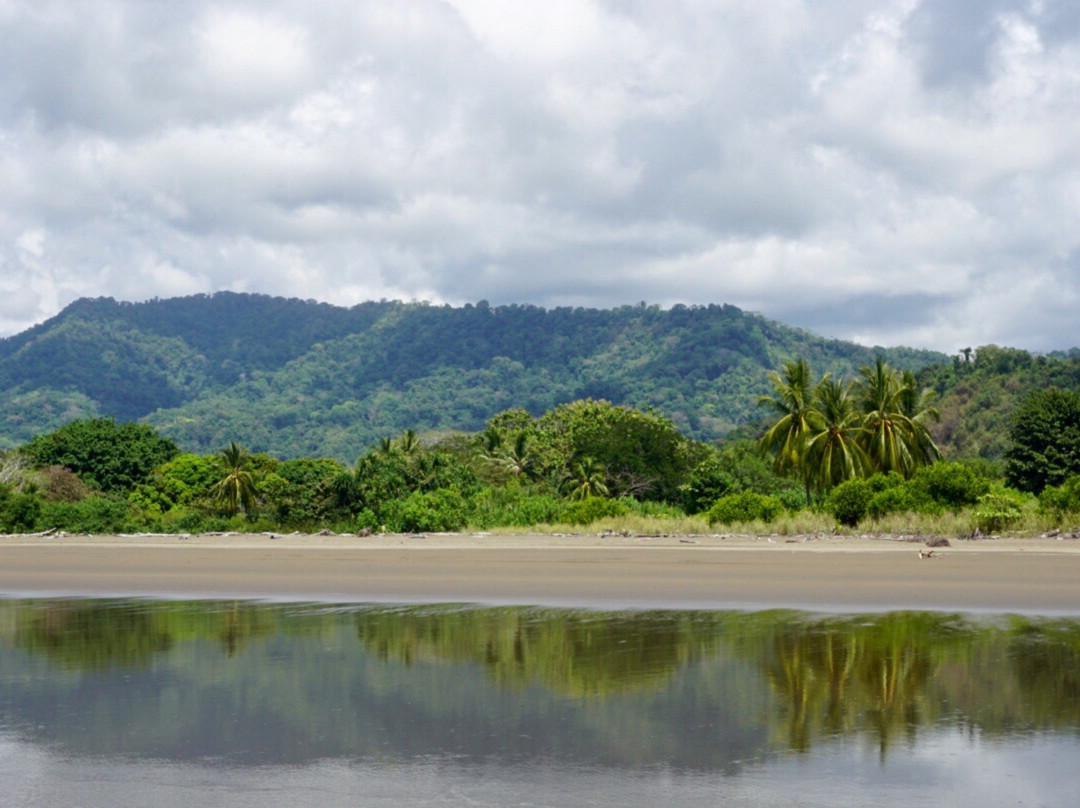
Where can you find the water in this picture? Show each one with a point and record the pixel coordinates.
(122, 702)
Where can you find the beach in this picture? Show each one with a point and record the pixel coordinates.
(824, 573)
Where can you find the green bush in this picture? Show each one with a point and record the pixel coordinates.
(443, 510)
(1063, 499)
(105, 455)
(849, 501)
(588, 510)
(513, 506)
(190, 520)
(952, 485)
(998, 510)
(19, 512)
(739, 466)
(367, 520)
(903, 498)
(744, 507)
(91, 515)
(882, 482)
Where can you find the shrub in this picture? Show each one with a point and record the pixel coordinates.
(882, 482)
(513, 507)
(952, 485)
(849, 501)
(744, 507)
(91, 515)
(588, 510)
(60, 484)
(367, 520)
(441, 510)
(903, 498)
(191, 520)
(19, 512)
(998, 510)
(1060, 500)
(739, 466)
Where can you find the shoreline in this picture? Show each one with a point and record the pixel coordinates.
(815, 573)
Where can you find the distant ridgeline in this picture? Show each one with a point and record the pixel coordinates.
(298, 378)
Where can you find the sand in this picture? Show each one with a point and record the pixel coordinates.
(825, 573)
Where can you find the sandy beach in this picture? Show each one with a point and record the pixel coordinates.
(826, 573)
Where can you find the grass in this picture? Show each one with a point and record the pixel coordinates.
(960, 524)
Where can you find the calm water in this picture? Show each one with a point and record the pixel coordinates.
(134, 703)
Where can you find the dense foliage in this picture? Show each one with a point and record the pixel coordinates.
(832, 432)
(1045, 439)
(103, 454)
(980, 391)
(864, 443)
(302, 379)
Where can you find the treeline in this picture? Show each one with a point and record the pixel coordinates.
(838, 453)
(577, 462)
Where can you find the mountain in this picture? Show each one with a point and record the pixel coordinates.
(979, 393)
(300, 378)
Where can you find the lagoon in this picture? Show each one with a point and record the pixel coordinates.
(107, 702)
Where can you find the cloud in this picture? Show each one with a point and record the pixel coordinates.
(884, 170)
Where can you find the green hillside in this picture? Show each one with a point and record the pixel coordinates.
(295, 378)
(979, 395)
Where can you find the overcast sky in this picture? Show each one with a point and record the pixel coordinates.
(888, 171)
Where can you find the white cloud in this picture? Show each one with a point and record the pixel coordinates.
(888, 170)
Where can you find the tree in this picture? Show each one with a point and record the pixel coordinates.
(518, 459)
(792, 400)
(894, 435)
(836, 431)
(408, 443)
(917, 405)
(643, 454)
(1045, 437)
(110, 457)
(236, 489)
(586, 479)
(832, 453)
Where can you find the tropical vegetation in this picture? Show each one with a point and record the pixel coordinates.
(833, 431)
(295, 378)
(255, 413)
(838, 454)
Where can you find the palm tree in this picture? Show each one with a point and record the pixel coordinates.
(519, 460)
(792, 400)
(586, 479)
(236, 489)
(408, 443)
(832, 453)
(895, 412)
(918, 405)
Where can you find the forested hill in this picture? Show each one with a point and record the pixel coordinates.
(296, 378)
(980, 392)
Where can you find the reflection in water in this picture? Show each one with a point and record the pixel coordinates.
(488, 691)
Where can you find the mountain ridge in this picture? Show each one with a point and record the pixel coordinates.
(294, 377)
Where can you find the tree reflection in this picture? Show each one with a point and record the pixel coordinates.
(780, 679)
(576, 654)
(87, 636)
(97, 635)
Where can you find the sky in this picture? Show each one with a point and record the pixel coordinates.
(886, 171)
